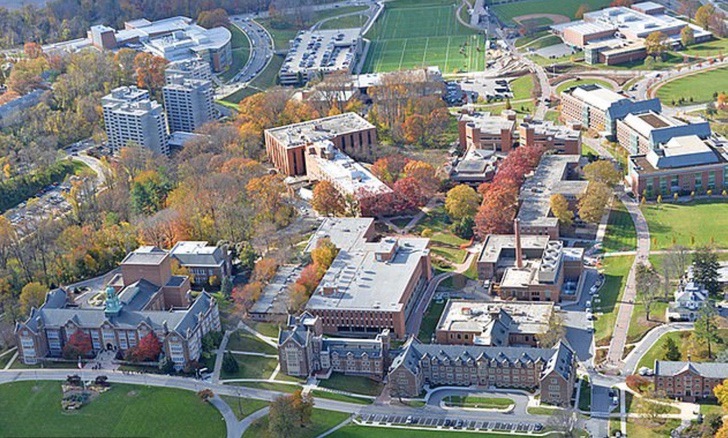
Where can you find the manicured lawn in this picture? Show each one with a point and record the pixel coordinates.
(636, 429)
(525, 40)
(639, 325)
(616, 270)
(710, 407)
(264, 328)
(620, 234)
(321, 421)
(252, 367)
(542, 410)
(33, 409)
(242, 407)
(524, 107)
(412, 33)
(341, 397)
(353, 384)
(244, 341)
(693, 224)
(270, 386)
(553, 116)
(471, 401)
(707, 49)
(345, 22)
(697, 352)
(354, 431)
(700, 87)
(522, 87)
(429, 321)
(547, 41)
(586, 81)
(584, 395)
(508, 11)
(240, 50)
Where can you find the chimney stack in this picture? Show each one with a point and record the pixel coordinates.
(517, 232)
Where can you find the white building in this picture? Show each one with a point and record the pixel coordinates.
(189, 69)
(188, 103)
(131, 117)
(689, 298)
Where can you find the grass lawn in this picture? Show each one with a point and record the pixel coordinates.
(547, 41)
(694, 224)
(528, 39)
(270, 386)
(417, 33)
(240, 50)
(321, 421)
(264, 328)
(553, 116)
(34, 409)
(447, 245)
(584, 395)
(265, 80)
(252, 367)
(637, 429)
(620, 234)
(429, 321)
(341, 397)
(355, 431)
(243, 341)
(522, 87)
(471, 401)
(345, 22)
(700, 87)
(242, 407)
(686, 346)
(353, 384)
(709, 407)
(522, 108)
(616, 270)
(586, 81)
(614, 425)
(508, 11)
(639, 325)
(710, 48)
(542, 410)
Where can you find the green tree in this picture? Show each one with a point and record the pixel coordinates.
(704, 15)
(647, 284)
(656, 44)
(560, 209)
(671, 350)
(462, 201)
(705, 269)
(706, 327)
(687, 36)
(32, 295)
(602, 171)
(283, 421)
(149, 191)
(226, 286)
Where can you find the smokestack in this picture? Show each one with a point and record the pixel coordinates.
(517, 231)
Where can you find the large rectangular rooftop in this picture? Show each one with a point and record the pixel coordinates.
(325, 128)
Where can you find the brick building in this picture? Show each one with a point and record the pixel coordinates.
(203, 261)
(493, 323)
(682, 165)
(482, 131)
(598, 108)
(643, 132)
(349, 132)
(689, 381)
(304, 351)
(145, 297)
(372, 286)
(529, 268)
(552, 371)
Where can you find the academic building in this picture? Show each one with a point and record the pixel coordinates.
(550, 370)
(689, 381)
(350, 133)
(144, 297)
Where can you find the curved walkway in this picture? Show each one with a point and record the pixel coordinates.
(624, 315)
(650, 338)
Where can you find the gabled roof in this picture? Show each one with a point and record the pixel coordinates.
(713, 370)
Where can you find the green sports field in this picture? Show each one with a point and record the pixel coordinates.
(411, 34)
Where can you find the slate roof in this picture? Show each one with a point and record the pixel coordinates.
(714, 370)
(559, 358)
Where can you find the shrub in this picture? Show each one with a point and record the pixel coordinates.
(637, 383)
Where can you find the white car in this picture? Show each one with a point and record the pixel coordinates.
(588, 304)
(589, 316)
(593, 290)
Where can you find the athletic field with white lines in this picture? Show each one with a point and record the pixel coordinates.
(423, 33)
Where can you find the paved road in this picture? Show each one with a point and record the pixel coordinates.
(624, 315)
(634, 357)
(415, 317)
(521, 399)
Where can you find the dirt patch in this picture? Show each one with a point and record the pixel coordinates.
(555, 18)
(131, 394)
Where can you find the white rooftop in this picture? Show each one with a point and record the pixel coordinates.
(346, 173)
(597, 96)
(311, 131)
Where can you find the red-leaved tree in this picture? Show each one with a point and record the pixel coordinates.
(79, 344)
(148, 349)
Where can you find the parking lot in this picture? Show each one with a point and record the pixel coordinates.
(449, 423)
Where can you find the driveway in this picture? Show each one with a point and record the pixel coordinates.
(521, 399)
(578, 327)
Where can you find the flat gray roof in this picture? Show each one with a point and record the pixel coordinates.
(466, 315)
(361, 282)
(344, 232)
(325, 128)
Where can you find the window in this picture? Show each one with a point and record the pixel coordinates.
(698, 181)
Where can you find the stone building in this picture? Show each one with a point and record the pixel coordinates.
(552, 371)
(145, 297)
(304, 351)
